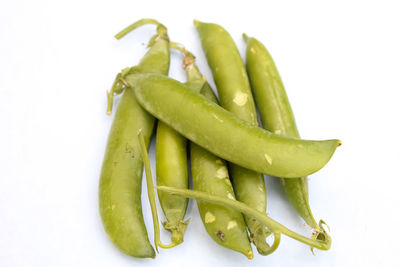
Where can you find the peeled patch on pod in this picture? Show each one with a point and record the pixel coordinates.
(222, 172)
(209, 218)
(215, 116)
(240, 98)
(231, 225)
(230, 196)
(268, 158)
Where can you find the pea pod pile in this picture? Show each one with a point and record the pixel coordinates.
(229, 152)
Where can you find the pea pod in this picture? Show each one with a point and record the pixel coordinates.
(276, 116)
(210, 174)
(224, 225)
(171, 166)
(121, 174)
(172, 170)
(246, 145)
(235, 94)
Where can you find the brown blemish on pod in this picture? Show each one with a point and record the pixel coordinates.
(220, 235)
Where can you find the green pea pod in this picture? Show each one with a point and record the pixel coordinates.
(172, 170)
(228, 71)
(235, 95)
(223, 134)
(121, 174)
(224, 225)
(210, 175)
(276, 116)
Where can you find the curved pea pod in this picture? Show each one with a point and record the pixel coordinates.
(225, 135)
(121, 174)
(277, 116)
(120, 182)
(210, 174)
(172, 170)
(235, 95)
(224, 225)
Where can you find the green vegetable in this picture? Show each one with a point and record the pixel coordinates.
(151, 194)
(235, 95)
(172, 170)
(277, 117)
(121, 174)
(210, 175)
(225, 135)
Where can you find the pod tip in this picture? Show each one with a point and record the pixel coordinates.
(196, 22)
(119, 35)
(245, 37)
(339, 143)
(250, 255)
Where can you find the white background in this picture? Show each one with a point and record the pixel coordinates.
(340, 63)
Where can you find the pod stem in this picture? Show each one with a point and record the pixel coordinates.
(160, 27)
(319, 233)
(151, 195)
(188, 63)
(196, 22)
(182, 49)
(323, 243)
(275, 245)
(245, 37)
(118, 87)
